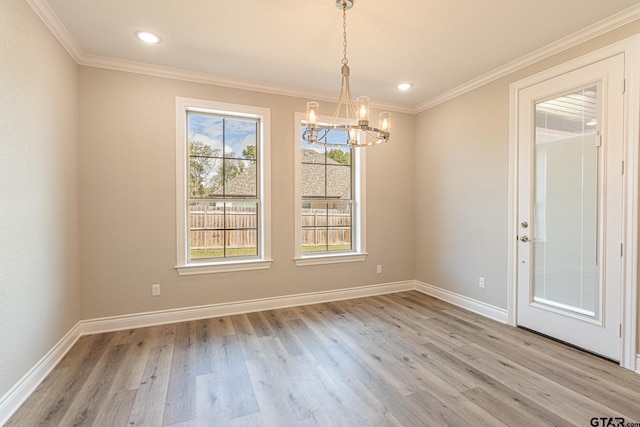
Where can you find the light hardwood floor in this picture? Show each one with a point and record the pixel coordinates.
(403, 359)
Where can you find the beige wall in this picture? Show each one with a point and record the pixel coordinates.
(127, 187)
(39, 287)
(461, 190)
(437, 195)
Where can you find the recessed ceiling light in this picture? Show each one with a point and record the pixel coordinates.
(404, 86)
(148, 37)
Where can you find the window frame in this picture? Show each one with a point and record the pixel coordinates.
(222, 265)
(358, 252)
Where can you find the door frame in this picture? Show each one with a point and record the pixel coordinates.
(630, 47)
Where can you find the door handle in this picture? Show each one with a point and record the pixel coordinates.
(524, 239)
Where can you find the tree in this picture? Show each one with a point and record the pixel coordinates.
(229, 169)
(250, 152)
(208, 170)
(203, 162)
(340, 156)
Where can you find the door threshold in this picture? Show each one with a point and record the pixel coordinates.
(608, 359)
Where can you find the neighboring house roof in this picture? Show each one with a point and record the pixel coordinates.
(243, 184)
(314, 175)
(338, 178)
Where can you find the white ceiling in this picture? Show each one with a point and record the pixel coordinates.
(295, 46)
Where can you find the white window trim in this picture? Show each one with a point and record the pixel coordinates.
(224, 265)
(359, 252)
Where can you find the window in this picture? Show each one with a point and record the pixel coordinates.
(222, 187)
(329, 200)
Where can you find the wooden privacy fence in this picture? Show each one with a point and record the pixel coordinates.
(326, 227)
(207, 226)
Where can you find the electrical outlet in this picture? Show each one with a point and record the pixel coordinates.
(155, 290)
(379, 269)
(481, 282)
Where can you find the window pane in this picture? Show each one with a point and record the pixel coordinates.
(313, 180)
(206, 244)
(241, 223)
(314, 231)
(205, 132)
(241, 243)
(339, 240)
(239, 135)
(250, 152)
(205, 176)
(223, 229)
(307, 146)
(313, 154)
(240, 178)
(326, 188)
(204, 215)
(340, 155)
(240, 216)
(338, 182)
(326, 227)
(339, 227)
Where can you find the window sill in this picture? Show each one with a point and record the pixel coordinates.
(329, 259)
(226, 267)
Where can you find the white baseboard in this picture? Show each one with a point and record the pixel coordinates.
(11, 401)
(140, 320)
(467, 303)
(637, 363)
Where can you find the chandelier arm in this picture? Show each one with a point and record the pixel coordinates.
(374, 129)
(336, 113)
(377, 133)
(370, 143)
(351, 108)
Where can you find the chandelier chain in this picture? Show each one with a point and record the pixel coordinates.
(345, 61)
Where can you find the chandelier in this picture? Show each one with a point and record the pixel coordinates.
(357, 112)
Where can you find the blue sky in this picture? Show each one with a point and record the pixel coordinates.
(238, 133)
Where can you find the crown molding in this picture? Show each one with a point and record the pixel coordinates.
(50, 19)
(46, 14)
(211, 79)
(624, 17)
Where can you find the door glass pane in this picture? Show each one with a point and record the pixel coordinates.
(565, 205)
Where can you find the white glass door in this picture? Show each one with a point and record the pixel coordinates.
(570, 199)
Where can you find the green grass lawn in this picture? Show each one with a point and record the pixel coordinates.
(323, 248)
(219, 252)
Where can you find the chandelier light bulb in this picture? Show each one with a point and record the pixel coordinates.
(363, 110)
(385, 121)
(312, 113)
(353, 134)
